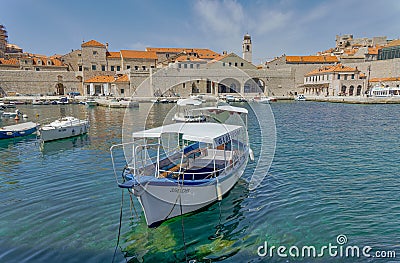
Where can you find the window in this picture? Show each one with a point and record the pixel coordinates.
(230, 64)
(128, 66)
(338, 76)
(345, 77)
(37, 69)
(179, 66)
(185, 65)
(94, 52)
(112, 68)
(352, 76)
(103, 68)
(223, 64)
(80, 68)
(122, 91)
(241, 64)
(136, 68)
(79, 55)
(93, 67)
(144, 67)
(236, 64)
(191, 65)
(118, 68)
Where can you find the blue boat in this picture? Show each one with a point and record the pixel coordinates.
(18, 130)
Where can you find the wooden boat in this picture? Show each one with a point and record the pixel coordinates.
(18, 130)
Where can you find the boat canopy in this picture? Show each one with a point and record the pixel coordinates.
(213, 133)
(224, 108)
(189, 101)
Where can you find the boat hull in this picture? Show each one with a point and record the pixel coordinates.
(57, 133)
(7, 133)
(161, 200)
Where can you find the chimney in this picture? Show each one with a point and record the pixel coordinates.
(106, 45)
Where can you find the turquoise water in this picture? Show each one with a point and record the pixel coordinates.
(335, 171)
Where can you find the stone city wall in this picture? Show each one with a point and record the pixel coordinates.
(38, 82)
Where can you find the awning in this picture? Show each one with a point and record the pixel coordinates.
(213, 133)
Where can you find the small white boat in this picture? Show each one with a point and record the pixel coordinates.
(182, 167)
(184, 111)
(262, 99)
(63, 128)
(90, 102)
(13, 114)
(300, 97)
(63, 101)
(123, 104)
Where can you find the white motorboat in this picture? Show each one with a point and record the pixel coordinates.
(90, 102)
(182, 167)
(12, 114)
(123, 104)
(63, 128)
(300, 97)
(262, 99)
(184, 111)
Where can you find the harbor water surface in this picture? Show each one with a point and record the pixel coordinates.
(335, 172)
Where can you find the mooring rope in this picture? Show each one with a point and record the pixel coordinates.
(120, 224)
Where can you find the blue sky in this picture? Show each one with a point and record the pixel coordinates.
(293, 27)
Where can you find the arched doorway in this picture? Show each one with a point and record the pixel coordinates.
(60, 89)
(358, 90)
(254, 85)
(351, 90)
(343, 91)
(229, 85)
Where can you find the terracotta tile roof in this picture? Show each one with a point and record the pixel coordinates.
(384, 79)
(123, 78)
(53, 61)
(203, 53)
(11, 61)
(138, 54)
(393, 43)
(92, 43)
(373, 50)
(311, 59)
(113, 54)
(100, 79)
(331, 69)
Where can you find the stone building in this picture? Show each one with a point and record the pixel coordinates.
(138, 60)
(117, 86)
(337, 80)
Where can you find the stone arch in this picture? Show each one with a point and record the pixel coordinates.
(60, 89)
(254, 85)
(359, 88)
(343, 90)
(351, 90)
(229, 85)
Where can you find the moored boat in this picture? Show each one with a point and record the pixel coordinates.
(300, 97)
(63, 128)
(184, 111)
(18, 130)
(182, 167)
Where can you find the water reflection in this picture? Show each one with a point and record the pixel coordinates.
(213, 239)
(53, 147)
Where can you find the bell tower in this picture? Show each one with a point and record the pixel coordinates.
(247, 48)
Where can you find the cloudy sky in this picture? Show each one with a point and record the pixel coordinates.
(293, 27)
